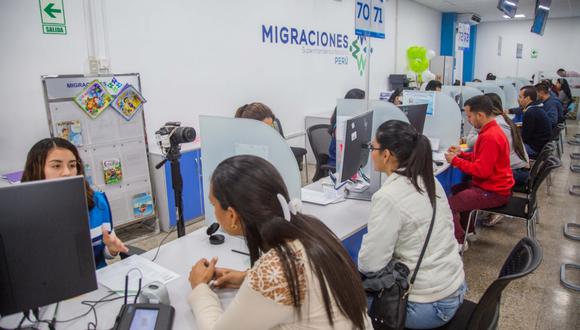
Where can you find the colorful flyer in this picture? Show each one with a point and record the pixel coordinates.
(94, 99)
(112, 171)
(70, 130)
(128, 102)
(142, 205)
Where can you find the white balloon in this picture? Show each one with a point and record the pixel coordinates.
(430, 54)
(428, 76)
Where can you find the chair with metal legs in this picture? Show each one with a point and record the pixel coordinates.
(526, 207)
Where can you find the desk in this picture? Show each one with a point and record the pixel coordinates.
(347, 220)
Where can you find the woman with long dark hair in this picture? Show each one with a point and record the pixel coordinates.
(519, 160)
(564, 93)
(300, 277)
(401, 212)
(54, 158)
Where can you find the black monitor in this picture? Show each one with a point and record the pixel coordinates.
(397, 81)
(46, 253)
(358, 135)
(416, 114)
(541, 16)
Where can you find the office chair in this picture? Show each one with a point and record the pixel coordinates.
(299, 153)
(525, 257)
(319, 141)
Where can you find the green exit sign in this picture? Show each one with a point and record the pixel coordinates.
(52, 16)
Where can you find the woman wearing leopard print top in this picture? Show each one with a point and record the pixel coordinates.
(301, 275)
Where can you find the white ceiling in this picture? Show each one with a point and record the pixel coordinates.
(488, 11)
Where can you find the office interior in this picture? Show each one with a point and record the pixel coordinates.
(197, 62)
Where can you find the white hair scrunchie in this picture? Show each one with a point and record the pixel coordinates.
(293, 207)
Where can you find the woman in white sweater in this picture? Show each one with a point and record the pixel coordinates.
(401, 212)
(301, 275)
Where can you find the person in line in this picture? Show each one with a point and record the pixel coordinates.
(564, 93)
(354, 93)
(293, 282)
(536, 127)
(564, 74)
(257, 111)
(401, 212)
(433, 85)
(519, 160)
(488, 165)
(552, 105)
(54, 158)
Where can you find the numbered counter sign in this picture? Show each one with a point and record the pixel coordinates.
(369, 18)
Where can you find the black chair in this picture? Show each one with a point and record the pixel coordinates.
(526, 207)
(547, 151)
(557, 138)
(299, 153)
(319, 141)
(525, 257)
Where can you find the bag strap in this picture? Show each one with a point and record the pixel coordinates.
(424, 247)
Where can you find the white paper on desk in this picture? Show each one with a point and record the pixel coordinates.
(113, 276)
(438, 156)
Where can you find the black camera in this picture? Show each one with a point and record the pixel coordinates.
(172, 134)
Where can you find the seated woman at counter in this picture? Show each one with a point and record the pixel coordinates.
(293, 282)
(401, 212)
(54, 158)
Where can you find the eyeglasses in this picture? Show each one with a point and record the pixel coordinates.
(370, 147)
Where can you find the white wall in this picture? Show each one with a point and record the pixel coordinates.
(558, 47)
(197, 57)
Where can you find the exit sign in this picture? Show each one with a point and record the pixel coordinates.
(52, 16)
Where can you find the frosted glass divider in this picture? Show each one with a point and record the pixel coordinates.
(223, 137)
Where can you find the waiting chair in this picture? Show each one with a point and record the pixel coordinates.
(547, 151)
(557, 138)
(525, 208)
(525, 257)
(299, 153)
(319, 141)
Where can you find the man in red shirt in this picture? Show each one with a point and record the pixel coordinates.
(488, 165)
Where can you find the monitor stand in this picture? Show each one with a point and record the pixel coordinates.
(368, 193)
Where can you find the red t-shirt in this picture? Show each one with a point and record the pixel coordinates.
(489, 162)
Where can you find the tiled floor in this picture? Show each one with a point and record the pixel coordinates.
(535, 302)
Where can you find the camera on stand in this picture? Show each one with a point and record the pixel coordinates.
(169, 138)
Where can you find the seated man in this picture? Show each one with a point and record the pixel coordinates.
(488, 165)
(536, 128)
(552, 105)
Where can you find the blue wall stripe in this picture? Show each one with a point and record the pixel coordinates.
(448, 34)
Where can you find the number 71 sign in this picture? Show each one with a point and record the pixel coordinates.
(369, 18)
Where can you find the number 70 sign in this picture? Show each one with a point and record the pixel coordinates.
(369, 18)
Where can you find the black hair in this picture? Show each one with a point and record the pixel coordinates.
(413, 152)
(490, 76)
(354, 93)
(517, 142)
(396, 93)
(531, 92)
(480, 103)
(542, 87)
(36, 160)
(432, 85)
(565, 87)
(250, 186)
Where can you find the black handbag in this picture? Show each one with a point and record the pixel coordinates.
(389, 288)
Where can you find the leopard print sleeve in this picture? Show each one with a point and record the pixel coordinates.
(267, 277)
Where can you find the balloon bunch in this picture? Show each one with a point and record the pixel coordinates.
(418, 58)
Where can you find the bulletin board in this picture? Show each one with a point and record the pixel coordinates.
(111, 143)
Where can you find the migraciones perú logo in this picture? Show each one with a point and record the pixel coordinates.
(358, 50)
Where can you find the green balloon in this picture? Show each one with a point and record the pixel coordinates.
(417, 59)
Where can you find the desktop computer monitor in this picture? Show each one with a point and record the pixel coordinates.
(416, 114)
(358, 135)
(46, 253)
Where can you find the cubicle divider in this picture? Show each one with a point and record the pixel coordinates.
(227, 137)
(445, 123)
(466, 93)
(490, 87)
